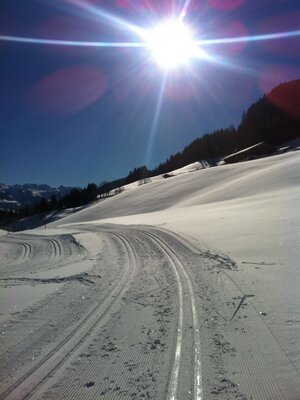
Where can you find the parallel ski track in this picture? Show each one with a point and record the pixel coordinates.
(69, 391)
(57, 248)
(26, 248)
(62, 352)
(25, 254)
(180, 271)
(29, 251)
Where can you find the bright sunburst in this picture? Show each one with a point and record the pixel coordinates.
(171, 43)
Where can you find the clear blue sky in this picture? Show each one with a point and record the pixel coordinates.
(73, 115)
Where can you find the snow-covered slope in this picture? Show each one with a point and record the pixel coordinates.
(229, 183)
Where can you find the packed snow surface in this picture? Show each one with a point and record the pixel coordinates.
(185, 287)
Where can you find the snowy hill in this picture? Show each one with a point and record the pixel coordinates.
(273, 177)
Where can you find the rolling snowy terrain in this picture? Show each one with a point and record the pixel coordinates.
(182, 288)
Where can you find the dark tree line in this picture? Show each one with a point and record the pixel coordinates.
(79, 197)
(208, 147)
(140, 173)
(8, 216)
(275, 119)
(106, 188)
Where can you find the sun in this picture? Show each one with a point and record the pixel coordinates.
(171, 44)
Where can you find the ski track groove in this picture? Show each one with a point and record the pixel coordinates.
(52, 254)
(259, 367)
(173, 387)
(87, 371)
(54, 249)
(69, 391)
(20, 346)
(116, 293)
(27, 250)
(58, 356)
(111, 300)
(58, 251)
(270, 388)
(173, 383)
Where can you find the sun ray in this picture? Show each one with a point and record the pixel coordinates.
(157, 112)
(226, 63)
(184, 9)
(106, 16)
(20, 39)
(253, 38)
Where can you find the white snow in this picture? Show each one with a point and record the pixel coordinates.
(295, 143)
(248, 211)
(5, 201)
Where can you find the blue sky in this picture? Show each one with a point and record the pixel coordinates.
(76, 115)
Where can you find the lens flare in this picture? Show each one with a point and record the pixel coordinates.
(69, 90)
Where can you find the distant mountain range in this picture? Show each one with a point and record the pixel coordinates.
(14, 197)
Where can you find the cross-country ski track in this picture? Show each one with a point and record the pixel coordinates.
(150, 326)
